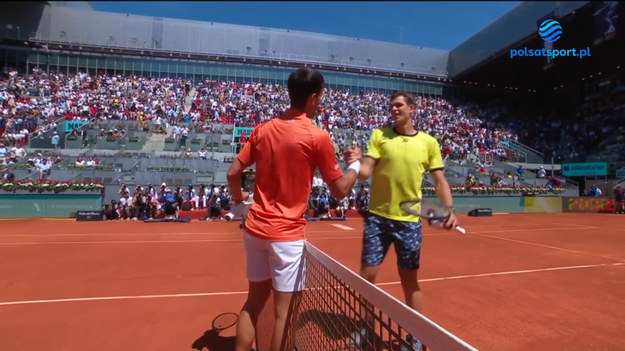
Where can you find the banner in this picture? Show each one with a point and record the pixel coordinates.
(70, 125)
(238, 131)
(588, 169)
(587, 204)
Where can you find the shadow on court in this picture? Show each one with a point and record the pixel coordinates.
(338, 329)
(211, 340)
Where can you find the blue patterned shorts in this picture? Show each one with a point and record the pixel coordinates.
(380, 232)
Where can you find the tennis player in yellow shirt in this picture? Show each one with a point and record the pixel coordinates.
(396, 160)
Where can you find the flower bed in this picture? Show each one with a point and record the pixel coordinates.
(496, 190)
(169, 169)
(50, 186)
(100, 167)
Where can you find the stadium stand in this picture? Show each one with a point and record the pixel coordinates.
(135, 121)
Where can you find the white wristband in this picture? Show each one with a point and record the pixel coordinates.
(355, 166)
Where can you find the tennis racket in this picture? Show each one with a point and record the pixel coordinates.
(435, 214)
(224, 321)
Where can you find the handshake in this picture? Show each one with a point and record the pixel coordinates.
(352, 154)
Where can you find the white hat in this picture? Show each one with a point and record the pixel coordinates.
(163, 184)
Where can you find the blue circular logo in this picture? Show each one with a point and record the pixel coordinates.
(550, 30)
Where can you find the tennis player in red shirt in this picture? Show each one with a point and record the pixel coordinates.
(286, 150)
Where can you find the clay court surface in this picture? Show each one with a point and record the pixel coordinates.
(515, 282)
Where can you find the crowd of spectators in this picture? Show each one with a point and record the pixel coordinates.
(149, 202)
(571, 129)
(349, 116)
(32, 104)
(35, 103)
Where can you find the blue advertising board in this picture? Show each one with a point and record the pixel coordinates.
(70, 125)
(238, 130)
(587, 169)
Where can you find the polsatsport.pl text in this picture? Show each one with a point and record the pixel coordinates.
(553, 53)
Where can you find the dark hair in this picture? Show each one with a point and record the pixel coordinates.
(302, 84)
(407, 97)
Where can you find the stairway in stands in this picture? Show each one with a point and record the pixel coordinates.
(157, 141)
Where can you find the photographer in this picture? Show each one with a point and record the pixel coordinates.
(123, 189)
(110, 211)
(138, 205)
(190, 198)
(214, 210)
(124, 206)
(169, 203)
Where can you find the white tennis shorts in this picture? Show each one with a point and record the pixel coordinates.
(282, 262)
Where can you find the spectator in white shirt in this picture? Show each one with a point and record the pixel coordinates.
(541, 172)
(44, 168)
(202, 154)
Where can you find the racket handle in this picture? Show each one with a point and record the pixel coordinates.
(461, 230)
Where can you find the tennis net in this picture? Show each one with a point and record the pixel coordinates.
(339, 310)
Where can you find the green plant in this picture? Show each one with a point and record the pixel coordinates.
(16, 166)
(493, 190)
(168, 169)
(96, 167)
(50, 186)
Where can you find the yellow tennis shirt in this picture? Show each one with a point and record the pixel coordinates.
(401, 162)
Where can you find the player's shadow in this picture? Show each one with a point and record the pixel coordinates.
(340, 328)
(212, 341)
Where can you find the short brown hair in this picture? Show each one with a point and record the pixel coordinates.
(407, 97)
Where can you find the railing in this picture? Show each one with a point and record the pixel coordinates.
(531, 155)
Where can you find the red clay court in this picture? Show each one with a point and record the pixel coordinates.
(515, 282)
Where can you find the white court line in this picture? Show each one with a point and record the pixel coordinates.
(512, 272)
(568, 224)
(528, 230)
(473, 228)
(156, 241)
(344, 227)
(238, 232)
(108, 298)
(549, 246)
(130, 297)
(429, 234)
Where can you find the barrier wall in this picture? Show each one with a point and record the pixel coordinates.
(26, 205)
(509, 204)
(29, 205)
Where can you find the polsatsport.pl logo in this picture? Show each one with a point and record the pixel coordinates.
(550, 31)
